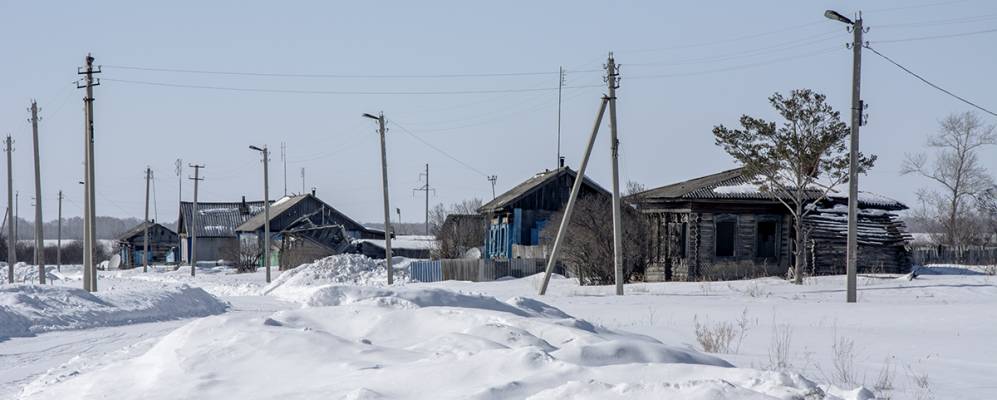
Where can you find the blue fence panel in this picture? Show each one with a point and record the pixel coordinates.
(426, 270)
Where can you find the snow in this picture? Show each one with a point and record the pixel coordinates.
(349, 335)
(749, 188)
(27, 310)
(414, 242)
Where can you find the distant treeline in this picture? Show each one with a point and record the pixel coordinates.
(72, 228)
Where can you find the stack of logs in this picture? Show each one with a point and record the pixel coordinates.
(882, 238)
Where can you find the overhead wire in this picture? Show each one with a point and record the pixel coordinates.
(914, 39)
(439, 150)
(929, 83)
(334, 92)
(343, 76)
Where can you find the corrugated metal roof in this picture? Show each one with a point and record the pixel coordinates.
(139, 229)
(286, 203)
(218, 219)
(527, 187)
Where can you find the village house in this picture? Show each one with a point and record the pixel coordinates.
(516, 218)
(215, 228)
(722, 226)
(304, 229)
(163, 245)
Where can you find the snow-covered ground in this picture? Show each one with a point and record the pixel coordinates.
(348, 335)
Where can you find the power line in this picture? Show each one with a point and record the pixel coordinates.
(911, 7)
(342, 76)
(936, 36)
(430, 145)
(931, 84)
(937, 22)
(337, 92)
(737, 67)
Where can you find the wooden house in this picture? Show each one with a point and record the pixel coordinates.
(516, 218)
(304, 229)
(722, 226)
(163, 245)
(215, 228)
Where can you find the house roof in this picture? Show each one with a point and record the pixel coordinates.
(219, 219)
(733, 184)
(281, 206)
(528, 186)
(139, 229)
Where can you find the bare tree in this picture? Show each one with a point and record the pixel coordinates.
(464, 230)
(798, 162)
(960, 174)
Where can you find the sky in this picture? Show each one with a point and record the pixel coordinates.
(467, 87)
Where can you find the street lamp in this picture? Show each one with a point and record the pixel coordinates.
(384, 180)
(851, 257)
(266, 207)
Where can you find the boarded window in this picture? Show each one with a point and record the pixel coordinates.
(726, 231)
(765, 238)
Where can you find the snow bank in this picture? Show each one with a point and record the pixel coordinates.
(26, 310)
(353, 269)
(219, 281)
(24, 273)
(411, 343)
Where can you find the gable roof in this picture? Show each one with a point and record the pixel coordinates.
(530, 185)
(734, 185)
(140, 229)
(217, 219)
(286, 203)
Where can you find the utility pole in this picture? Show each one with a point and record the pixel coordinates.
(39, 242)
(178, 169)
(89, 214)
(266, 205)
(58, 237)
(193, 218)
(145, 238)
(283, 159)
(853, 176)
(384, 181)
(575, 188)
(427, 189)
(11, 249)
(493, 179)
(560, 86)
(303, 180)
(17, 216)
(613, 79)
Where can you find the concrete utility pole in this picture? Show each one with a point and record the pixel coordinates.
(575, 188)
(39, 242)
(613, 79)
(493, 179)
(192, 230)
(145, 234)
(17, 216)
(560, 86)
(11, 249)
(858, 107)
(283, 159)
(89, 214)
(58, 238)
(427, 189)
(303, 180)
(266, 205)
(384, 181)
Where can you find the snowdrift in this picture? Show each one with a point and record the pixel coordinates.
(299, 283)
(26, 310)
(409, 343)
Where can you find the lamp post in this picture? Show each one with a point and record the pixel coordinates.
(266, 207)
(853, 183)
(384, 181)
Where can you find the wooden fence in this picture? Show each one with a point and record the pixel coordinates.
(474, 270)
(945, 255)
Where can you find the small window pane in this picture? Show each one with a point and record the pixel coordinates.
(766, 238)
(725, 238)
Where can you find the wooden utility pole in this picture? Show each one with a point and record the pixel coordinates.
(575, 188)
(560, 86)
(303, 180)
(145, 238)
(89, 214)
(266, 205)
(613, 79)
(192, 229)
(39, 239)
(493, 179)
(283, 159)
(58, 237)
(851, 256)
(384, 182)
(424, 188)
(11, 249)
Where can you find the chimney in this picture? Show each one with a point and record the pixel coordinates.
(561, 162)
(243, 208)
(313, 192)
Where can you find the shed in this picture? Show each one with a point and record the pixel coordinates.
(516, 217)
(163, 245)
(723, 226)
(215, 227)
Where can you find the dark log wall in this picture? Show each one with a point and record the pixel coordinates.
(882, 238)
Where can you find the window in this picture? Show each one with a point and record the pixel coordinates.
(725, 235)
(765, 239)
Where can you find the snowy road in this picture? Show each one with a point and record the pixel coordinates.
(22, 360)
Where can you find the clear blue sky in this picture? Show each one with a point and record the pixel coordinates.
(687, 66)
